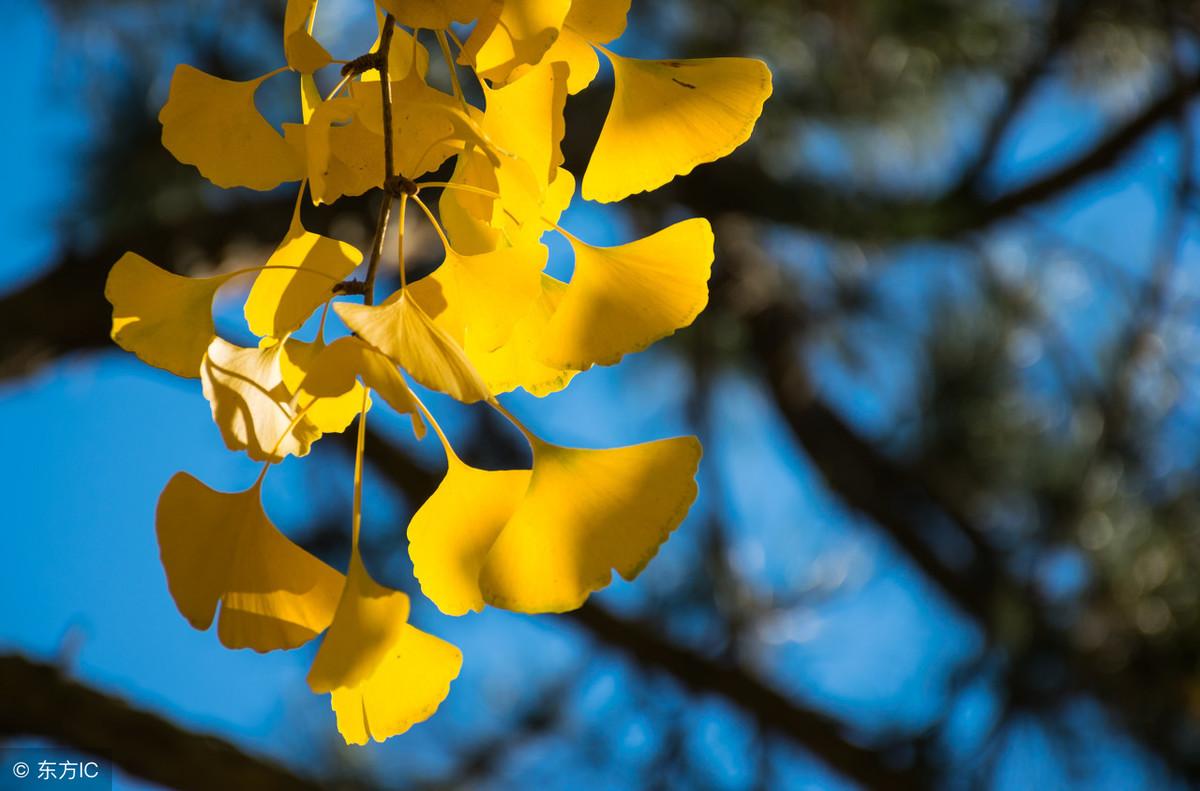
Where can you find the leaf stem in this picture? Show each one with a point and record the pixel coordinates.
(359, 452)
(400, 243)
(437, 226)
(453, 67)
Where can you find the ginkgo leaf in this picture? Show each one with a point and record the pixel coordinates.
(304, 53)
(434, 14)
(520, 34)
(543, 540)
(622, 299)
(466, 216)
(589, 22)
(298, 278)
(330, 412)
(250, 403)
(525, 118)
(521, 215)
(213, 124)
(517, 362)
(585, 513)
(163, 318)
(576, 53)
(221, 548)
(407, 688)
(599, 21)
(491, 291)
(354, 163)
(450, 535)
(668, 116)
(401, 330)
(332, 373)
(318, 142)
(369, 622)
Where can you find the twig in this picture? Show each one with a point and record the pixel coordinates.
(389, 157)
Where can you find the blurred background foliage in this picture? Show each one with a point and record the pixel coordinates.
(948, 388)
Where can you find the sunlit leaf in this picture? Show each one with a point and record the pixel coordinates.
(213, 124)
(369, 622)
(517, 362)
(333, 372)
(403, 331)
(542, 541)
(331, 412)
(668, 116)
(519, 34)
(588, 22)
(587, 512)
(450, 535)
(250, 403)
(163, 318)
(304, 53)
(220, 548)
(407, 688)
(299, 277)
(622, 299)
(433, 14)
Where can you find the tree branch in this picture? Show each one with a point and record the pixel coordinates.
(39, 700)
(810, 730)
(742, 186)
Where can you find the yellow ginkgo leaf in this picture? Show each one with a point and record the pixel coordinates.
(369, 622)
(331, 376)
(407, 688)
(585, 513)
(213, 124)
(573, 51)
(318, 142)
(304, 53)
(221, 548)
(599, 21)
(163, 318)
(434, 14)
(450, 535)
(622, 299)
(520, 34)
(525, 210)
(491, 291)
(403, 331)
(332, 412)
(517, 362)
(522, 214)
(250, 403)
(354, 163)
(525, 118)
(467, 216)
(589, 22)
(299, 277)
(668, 116)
